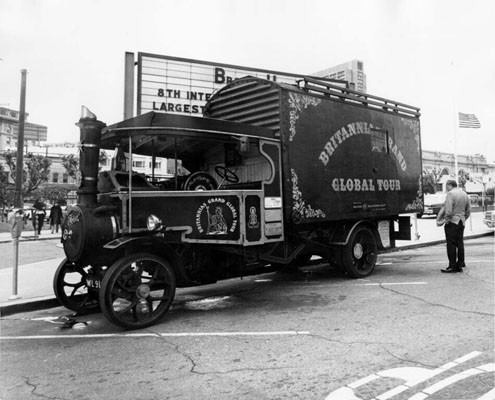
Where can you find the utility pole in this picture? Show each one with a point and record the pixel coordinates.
(19, 169)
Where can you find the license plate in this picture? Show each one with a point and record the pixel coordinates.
(93, 283)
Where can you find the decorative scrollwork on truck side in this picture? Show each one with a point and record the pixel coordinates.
(300, 209)
(297, 102)
(417, 204)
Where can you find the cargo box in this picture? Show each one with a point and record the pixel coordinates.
(345, 155)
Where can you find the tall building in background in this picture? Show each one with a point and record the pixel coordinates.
(34, 134)
(351, 71)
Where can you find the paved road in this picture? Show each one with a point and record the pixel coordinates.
(406, 332)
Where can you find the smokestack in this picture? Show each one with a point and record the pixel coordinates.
(90, 136)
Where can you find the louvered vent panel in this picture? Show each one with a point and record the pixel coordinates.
(250, 102)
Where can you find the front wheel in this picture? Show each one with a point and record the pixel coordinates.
(70, 285)
(137, 291)
(360, 254)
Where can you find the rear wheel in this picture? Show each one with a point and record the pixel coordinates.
(137, 291)
(359, 256)
(71, 289)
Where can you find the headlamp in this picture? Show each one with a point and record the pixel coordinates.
(154, 223)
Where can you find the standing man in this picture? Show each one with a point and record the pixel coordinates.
(457, 211)
(55, 217)
(39, 214)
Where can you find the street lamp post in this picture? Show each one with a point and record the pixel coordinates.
(20, 144)
(17, 220)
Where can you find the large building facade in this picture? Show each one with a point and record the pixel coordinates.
(352, 72)
(481, 172)
(34, 134)
(475, 165)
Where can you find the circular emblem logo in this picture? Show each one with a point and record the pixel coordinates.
(216, 216)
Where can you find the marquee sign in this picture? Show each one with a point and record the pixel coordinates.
(183, 86)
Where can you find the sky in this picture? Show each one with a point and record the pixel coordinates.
(438, 55)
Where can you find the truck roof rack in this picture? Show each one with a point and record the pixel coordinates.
(319, 87)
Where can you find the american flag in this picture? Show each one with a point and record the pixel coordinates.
(468, 121)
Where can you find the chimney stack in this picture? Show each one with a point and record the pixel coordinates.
(90, 136)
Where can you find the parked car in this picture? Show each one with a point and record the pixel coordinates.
(433, 204)
(489, 219)
(474, 199)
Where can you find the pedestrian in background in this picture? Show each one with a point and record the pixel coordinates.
(457, 211)
(39, 215)
(55, 217)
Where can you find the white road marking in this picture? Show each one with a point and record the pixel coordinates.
(392, 283)
(177, 334)
(488, 396)
(364, 381)
(453, 379)
(429, 262)
(411, 375)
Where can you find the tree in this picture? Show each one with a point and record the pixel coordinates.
(71, 165)
(36, 171)
(430, 180)
(463, 178)
(53, 193)
(102, 159)
(6, 187)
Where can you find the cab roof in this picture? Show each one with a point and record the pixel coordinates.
(163, 135)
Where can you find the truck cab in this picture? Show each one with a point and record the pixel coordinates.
(226, 186)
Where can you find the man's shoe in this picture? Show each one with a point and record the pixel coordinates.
(449, 270)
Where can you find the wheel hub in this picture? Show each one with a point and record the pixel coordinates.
(143, 291)
(358, 251)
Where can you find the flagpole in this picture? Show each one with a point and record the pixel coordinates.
(455, 120)
(456, 164)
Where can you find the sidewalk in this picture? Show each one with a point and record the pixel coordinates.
(35, 281)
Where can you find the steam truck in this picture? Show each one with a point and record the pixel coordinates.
(271, 175)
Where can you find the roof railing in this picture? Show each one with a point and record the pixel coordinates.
(315, 86)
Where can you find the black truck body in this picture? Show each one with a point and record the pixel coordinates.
(271, 176)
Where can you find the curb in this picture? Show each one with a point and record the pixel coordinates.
(41, 303)
(35, 304)
(30, 239)
(434, 242)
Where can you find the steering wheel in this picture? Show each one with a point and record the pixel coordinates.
(226, 174)
(200, 181)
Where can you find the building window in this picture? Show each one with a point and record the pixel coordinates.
(55, 177)
(65, 178)
(158, 165)
(138, 164)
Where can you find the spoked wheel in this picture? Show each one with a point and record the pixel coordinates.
(71, 289)
(359, 255)
(137, 291)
